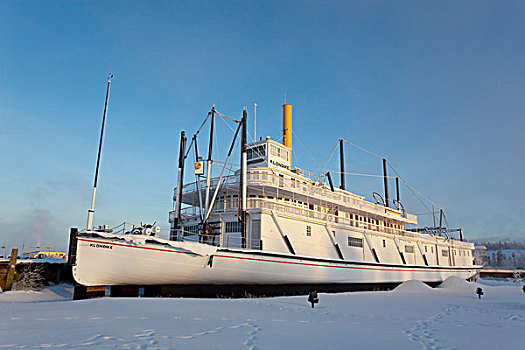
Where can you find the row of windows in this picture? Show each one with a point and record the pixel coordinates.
(279, 152)
(357, 220)
(462, 252)
(231, 226)
(358, 242)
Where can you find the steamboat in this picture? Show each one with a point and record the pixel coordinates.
(271, 226)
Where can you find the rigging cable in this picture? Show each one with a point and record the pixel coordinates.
(326, 161)
(304, 147)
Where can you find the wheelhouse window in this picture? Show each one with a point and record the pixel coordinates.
(256, 152)
(409, 249)
(444, 253)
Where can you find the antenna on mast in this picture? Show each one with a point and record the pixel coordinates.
(100, 144)
(255, 122)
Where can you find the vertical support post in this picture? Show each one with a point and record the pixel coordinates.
(198, 180)
(385, 179)
(101, 142)
(11, 269)
(243, 178)
(180, 180)
(208, 168)
(72, 252)
(342, 162)
(460, 234)
(397, 189)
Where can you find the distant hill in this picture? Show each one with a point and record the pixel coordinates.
(501, 243)
(497, 239)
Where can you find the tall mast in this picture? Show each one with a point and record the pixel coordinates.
(255, 122)
(180, 178)
(208, 168)
(100, 144)
(342, 162)
(243, 178)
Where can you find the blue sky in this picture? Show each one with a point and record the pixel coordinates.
(434, 86)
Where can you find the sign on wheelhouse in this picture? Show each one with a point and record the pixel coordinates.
(271, 224)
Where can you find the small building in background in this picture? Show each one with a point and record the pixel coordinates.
(44, 254)
(480, 255)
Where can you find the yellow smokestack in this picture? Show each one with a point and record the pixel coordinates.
(287, 128)
(287, 125)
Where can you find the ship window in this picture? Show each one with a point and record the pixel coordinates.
(425, 249)
(308, 230)
(384, 243)
(355, 242)
(444, 252)
(233, 226)
(409, 249)
(190, 230)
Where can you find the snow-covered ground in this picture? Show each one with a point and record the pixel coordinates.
(413, 316)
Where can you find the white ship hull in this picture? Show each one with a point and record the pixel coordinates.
(113, 261)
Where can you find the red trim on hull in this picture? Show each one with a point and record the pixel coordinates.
(415, 269)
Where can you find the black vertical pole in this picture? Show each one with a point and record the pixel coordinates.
(342, 162)
(385, 178)
(397, 189)
(242, 200)
(102, 129)
(208, 173)
(440, 220)
(101, 142)
(211, 133)
(180, 181)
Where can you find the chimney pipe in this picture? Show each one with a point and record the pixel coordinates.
(385, 178)
(287, 128)
(342, 163)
